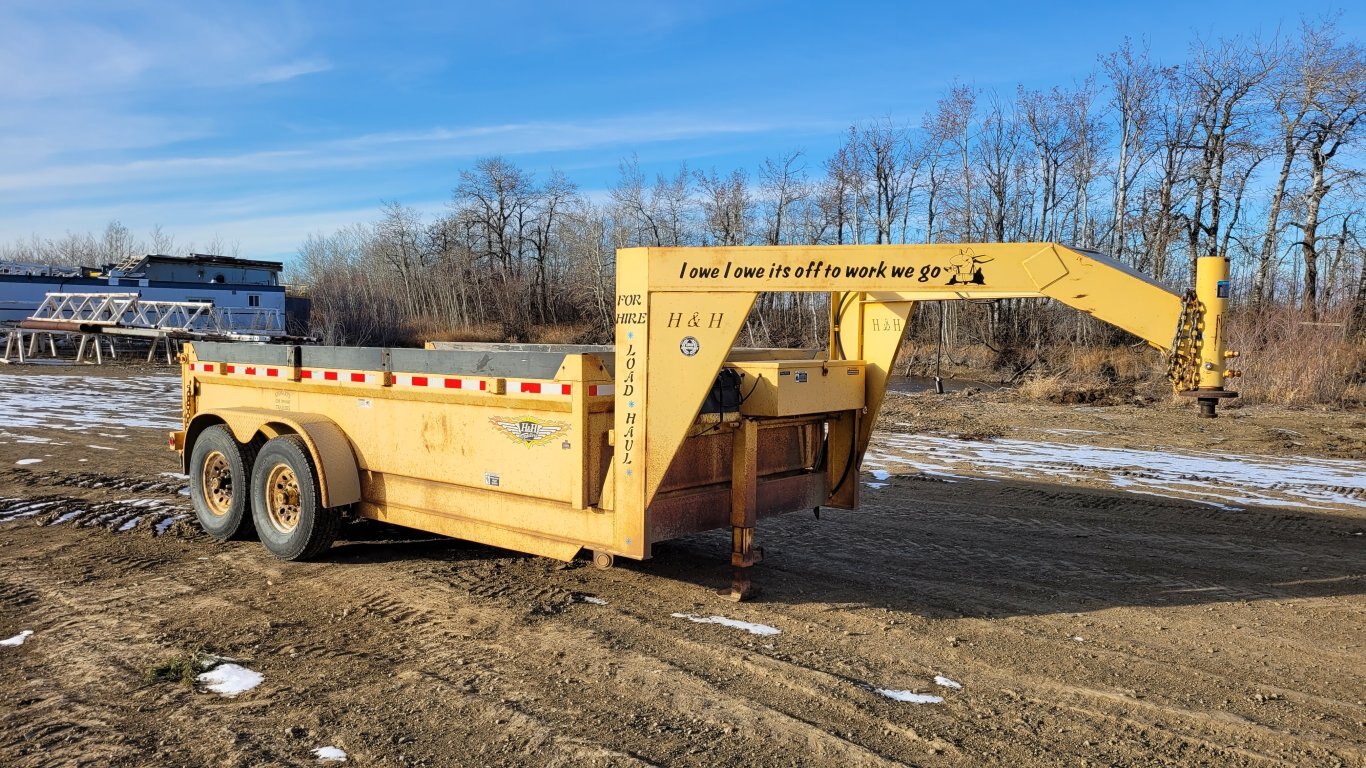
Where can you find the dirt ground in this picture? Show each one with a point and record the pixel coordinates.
(1086, 624)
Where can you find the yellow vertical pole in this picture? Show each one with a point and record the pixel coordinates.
(1212, 291)
(832, 352)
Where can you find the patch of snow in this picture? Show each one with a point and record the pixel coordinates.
(945, 682)
(230, 679)
(68, 516)
(330, 754)
(99, 447)
(593, 600)
(21, 508)
(167, 523)
(90, 404)
(876, 486)
(753, 629)
(1079, 638)
(880, 474)
(1065, 431)
(130, 524)
(910, 697)
(24, 462)
(17, 640)
(175, 475)
(1226, 481)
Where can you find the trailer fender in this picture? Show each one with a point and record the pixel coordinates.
(338, 475)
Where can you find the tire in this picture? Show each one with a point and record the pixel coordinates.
(286, 503)
(220, 483)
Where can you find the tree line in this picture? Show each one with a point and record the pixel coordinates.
(1249, 147)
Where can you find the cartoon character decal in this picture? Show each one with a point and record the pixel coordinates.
(967, 268)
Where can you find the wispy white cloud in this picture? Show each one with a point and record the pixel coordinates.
(280, 73)
(63, 50)
(90, 77)
(390, 150)
(267, 226)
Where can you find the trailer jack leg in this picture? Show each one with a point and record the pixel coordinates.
(743, 509)
(743, 556)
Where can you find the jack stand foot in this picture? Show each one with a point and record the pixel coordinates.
(603, 560)
(741, 588)
(1208, 400)
(1208, 408)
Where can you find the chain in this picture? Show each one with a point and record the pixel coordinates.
(1183, 360)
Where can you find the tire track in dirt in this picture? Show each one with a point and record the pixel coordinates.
(500, 644)
(745, 671)
(949, 514)
(1048, 500)
(495, 657)
(119, 515)
(1156, 720)
(72, 723)
(26, 478)
(691, 651)
(807, 564)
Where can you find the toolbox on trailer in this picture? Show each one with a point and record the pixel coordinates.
(791, 387)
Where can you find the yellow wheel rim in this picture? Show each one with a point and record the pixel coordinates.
(216, 480)
(282, 498)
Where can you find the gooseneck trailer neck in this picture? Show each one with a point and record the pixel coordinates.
(671, 431)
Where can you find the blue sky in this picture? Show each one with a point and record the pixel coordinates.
(262, 122)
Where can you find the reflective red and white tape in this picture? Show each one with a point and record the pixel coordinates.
(439, 382)
(354, 377)
(514, 387)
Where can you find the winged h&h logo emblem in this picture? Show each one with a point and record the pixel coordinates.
(528, 430)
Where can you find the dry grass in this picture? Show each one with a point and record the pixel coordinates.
(493, 332)
(1287, 360)
(1064, 390)
(562, 334)
(1060, 374)
(183, 668)
(484, 332)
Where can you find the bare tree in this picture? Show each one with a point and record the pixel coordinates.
(727, 210)
(997, 149)
(1331, 124)
(160, 242)
(1135, 88)
(842, 192)
(783, 186)
(884, 150)
(1088, 134)
(657, 216)
(1221, 75)
(1162, 201)
(949, 137)
(118, 244)
(1046, 117)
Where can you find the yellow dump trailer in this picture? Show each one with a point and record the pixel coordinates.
(555, 449)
